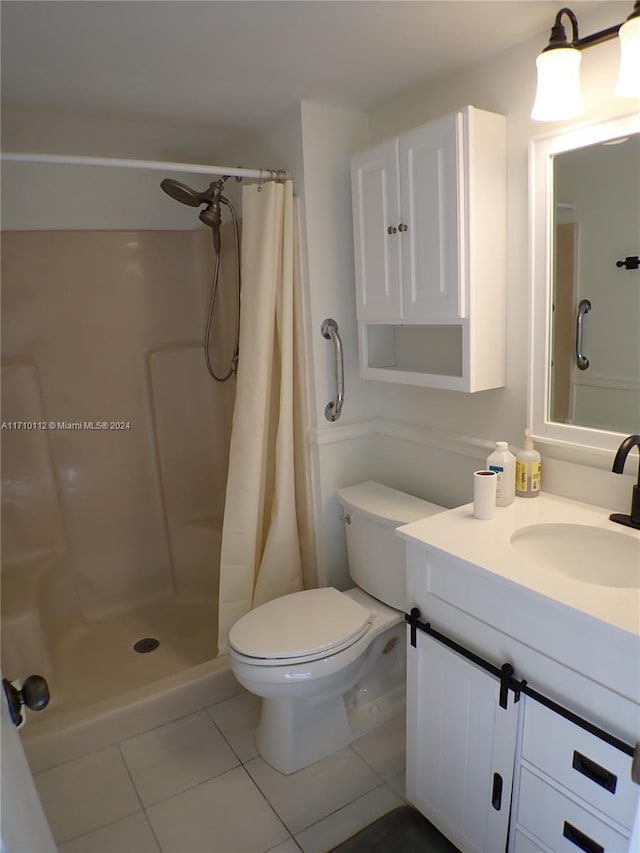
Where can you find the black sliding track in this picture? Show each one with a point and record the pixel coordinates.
(505, 674)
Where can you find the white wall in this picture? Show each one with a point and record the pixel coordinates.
(389, 448)
(61, 132)
(503, 84)
(45, 196)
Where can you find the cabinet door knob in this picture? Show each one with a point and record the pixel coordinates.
(402, 227)
(391, 230)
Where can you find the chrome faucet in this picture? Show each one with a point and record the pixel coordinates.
(632, 520)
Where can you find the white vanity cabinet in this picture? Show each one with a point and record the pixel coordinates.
(429, 212)
(460, 746)
(563, 745)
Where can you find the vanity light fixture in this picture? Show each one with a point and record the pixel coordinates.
(558, 96)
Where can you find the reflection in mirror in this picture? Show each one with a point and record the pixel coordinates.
(594, 379)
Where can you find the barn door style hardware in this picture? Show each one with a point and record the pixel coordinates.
(508, 681)
(631, 262)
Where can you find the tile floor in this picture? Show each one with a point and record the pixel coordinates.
(198, 784)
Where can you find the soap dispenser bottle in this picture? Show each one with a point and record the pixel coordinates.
(528, 470)
(503, 462)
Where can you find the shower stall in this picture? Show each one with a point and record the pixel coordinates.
(115, 443)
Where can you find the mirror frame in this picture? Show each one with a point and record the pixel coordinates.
(541, 208)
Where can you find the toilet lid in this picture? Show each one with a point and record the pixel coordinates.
(304, 624)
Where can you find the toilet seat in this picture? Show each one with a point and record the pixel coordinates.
(300, 627)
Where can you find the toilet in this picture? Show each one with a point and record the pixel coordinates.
(330, 665)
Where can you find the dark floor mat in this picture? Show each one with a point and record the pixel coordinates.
(403, 830)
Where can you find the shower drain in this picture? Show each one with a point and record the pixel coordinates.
(146, 644)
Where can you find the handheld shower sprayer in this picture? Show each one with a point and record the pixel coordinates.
(211, 215)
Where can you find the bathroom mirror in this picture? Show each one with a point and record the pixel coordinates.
(585, 287)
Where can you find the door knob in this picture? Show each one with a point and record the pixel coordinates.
(392, 230)
(34, 694)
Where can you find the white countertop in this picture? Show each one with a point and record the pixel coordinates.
(488, 545)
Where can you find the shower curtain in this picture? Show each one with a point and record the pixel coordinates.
(260, 557)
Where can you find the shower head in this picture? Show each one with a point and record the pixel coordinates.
(184, 194)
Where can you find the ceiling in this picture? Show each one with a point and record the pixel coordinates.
(236, 65)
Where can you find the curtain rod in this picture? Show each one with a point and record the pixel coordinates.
(158, 165)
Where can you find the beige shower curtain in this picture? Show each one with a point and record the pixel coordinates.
(260, 557)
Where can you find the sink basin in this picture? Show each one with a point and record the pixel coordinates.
(587, 554)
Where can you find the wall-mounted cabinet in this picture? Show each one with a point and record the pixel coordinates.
(430, 254)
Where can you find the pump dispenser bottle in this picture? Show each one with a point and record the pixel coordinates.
(504, 464)
(528, 470)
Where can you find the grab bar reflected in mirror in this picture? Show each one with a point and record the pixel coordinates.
(584, 307)
(333, 408)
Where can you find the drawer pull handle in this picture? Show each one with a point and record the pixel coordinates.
(496, 793)
(600, 775)
(580, 839)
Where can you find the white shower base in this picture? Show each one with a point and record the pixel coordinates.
(96, 661)
(104, 691)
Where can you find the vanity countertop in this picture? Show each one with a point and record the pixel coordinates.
(492, 545)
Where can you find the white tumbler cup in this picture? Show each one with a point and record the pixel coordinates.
(484, 493)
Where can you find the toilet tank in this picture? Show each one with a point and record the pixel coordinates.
(377, 562)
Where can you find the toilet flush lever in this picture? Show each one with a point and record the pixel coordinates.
(347, 518)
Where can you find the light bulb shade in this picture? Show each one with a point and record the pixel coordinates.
(628, 85)
(558, 95)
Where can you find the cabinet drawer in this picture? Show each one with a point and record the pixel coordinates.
(560, 823)
(586, 765)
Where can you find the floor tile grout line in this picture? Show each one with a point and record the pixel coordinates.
(380, 783)
(153, 832)
(117, 741)
(190, 787)
(167, 723)
(228, 742)
(131, 779)
(144, 808)
(202, 781)
(266, 799)
(98, 828)
(290, 838)
(350, 803)
(343, 806)
(377, 772)
(110, 822)
(261, 792)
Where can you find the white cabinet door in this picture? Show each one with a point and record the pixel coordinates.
(430, 161)
(458, 738)
(377, 240)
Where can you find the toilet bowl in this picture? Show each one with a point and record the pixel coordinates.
(330, 665)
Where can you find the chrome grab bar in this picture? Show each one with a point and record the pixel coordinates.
(333, 408)
(584, 307)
